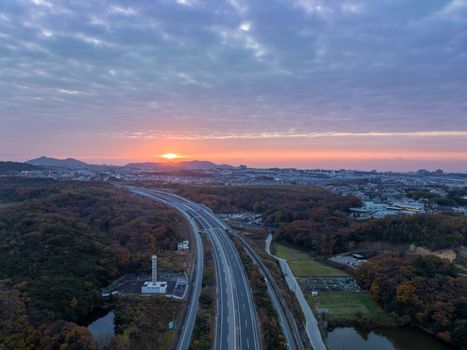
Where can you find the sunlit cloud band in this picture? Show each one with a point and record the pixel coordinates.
(278, 135)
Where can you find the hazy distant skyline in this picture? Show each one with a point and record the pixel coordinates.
(305, 83)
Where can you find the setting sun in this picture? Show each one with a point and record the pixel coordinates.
(169, 156)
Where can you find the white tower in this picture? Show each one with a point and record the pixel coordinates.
(154, 287)
(154, 269)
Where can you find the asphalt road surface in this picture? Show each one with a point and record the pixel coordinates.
(286, 319)
(311, 325)
(190, 318)
(236, 322)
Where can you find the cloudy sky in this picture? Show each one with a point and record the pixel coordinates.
(308, 83)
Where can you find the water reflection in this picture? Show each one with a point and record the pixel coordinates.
(103, 329)
(383, 339)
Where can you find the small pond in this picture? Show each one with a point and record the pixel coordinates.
(348, 338)
(102, 328)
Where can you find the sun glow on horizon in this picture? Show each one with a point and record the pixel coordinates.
(170, 156)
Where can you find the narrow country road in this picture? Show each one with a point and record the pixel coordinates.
(311, 325)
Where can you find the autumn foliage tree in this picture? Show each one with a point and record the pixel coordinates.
(61, 243)
(424, 288)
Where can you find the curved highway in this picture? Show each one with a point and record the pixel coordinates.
(184, 340)
(236, 321)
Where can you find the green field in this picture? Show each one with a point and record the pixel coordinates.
(289, 252)
(311, 268)
(344, 305)
(302, 263)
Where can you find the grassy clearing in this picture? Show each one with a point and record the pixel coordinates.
(290, 252)
(311, 268)
(344, 305)
(302, 264)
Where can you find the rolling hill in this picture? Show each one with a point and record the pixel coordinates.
(69, 163)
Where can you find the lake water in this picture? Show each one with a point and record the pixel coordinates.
(103, 329)
(348, 338)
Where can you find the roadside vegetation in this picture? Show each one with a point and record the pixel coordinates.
(60, 244)
(271, 332)
(256, 238)
(204, 330)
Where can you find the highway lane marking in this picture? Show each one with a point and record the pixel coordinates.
(188, 329)
(216, 242)
(243, 284)
(223, 248)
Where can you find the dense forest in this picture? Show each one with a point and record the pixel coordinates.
(336, 233)
(422, 289)
(279, 203)
(60, 243)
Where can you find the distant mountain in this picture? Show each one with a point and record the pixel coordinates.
(69, 163)
(183, 165)
(12, 168)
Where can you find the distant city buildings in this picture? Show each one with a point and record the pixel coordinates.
(382, 193)
(380, 210)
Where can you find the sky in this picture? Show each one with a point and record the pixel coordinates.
(360, 84)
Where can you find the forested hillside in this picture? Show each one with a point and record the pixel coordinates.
(12, 168)
(60, 243)
(279, 204)
(422, 289)
(335, 233)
